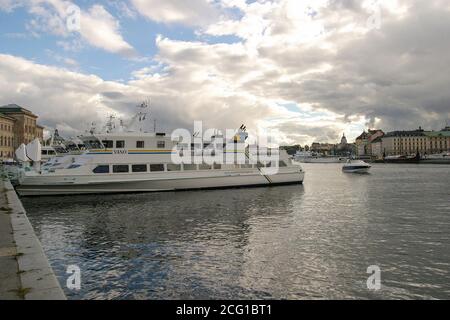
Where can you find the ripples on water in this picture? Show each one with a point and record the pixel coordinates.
(293, 242)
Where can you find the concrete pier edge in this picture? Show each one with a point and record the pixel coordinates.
(36, 275)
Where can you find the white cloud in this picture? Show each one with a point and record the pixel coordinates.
(192, 12)
(98, 27)
(58, 96)
(10, 5)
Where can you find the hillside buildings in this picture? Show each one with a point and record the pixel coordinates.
(17, 125)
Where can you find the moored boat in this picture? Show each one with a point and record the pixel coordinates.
(402, 158)
(123, 161)
(440, 158)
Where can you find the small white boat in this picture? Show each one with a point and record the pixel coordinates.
(356, 166)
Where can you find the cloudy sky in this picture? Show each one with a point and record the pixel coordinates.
(309, 70)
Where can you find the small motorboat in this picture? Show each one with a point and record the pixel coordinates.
(356, 166)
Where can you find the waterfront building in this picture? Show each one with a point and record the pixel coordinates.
(19, 126)
(405, 142)
(6, 137)
(416, 141)
(377, 148)
(364, 142)
(438, 141)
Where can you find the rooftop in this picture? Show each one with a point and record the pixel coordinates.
(14, 108)
(362, 136)
(443, 133)
(407, 133)
(378, 139)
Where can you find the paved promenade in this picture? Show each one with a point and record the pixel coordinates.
(25, 273)
(9, 268)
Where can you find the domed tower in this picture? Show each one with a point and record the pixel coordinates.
(343, 140)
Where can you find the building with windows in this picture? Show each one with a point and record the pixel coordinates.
(416, 141)
(17, 125)
(6, 137)
(377, 148)
(364, 142)
(405, 142)
(438, 141)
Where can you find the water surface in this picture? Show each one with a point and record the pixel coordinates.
(292, 242)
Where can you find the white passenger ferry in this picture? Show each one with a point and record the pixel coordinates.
(117, 162)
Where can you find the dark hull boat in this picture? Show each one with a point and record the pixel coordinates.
(402, 159)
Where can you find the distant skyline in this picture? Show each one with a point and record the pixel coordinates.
(310, 70)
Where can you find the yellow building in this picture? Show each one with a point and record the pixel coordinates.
(416, 141)
(6, 137)
(19, 126)
(438, 141)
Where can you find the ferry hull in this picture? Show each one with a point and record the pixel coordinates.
(434, 161)
(153, 185)
(321, 160)
(356, 170)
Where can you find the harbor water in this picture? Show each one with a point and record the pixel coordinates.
(311, 241)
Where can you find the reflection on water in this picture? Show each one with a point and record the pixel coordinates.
(294, 242)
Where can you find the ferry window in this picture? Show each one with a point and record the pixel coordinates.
(44, 152)
(173, 167)
(161, 144)
(140, 144)
(93, 144)
(204, 166)
(101, 169)
(121, 168)
(74, 166)
(120, 144)
(259, 165)
(246, 166)
(108, 144)
(156, 167)
(139, 168)
(189, 167)
(51, 152)
(282, 164)
(60, 150)
(217, 166)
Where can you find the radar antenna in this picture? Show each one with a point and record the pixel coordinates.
(110, 124)
(140, 117)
